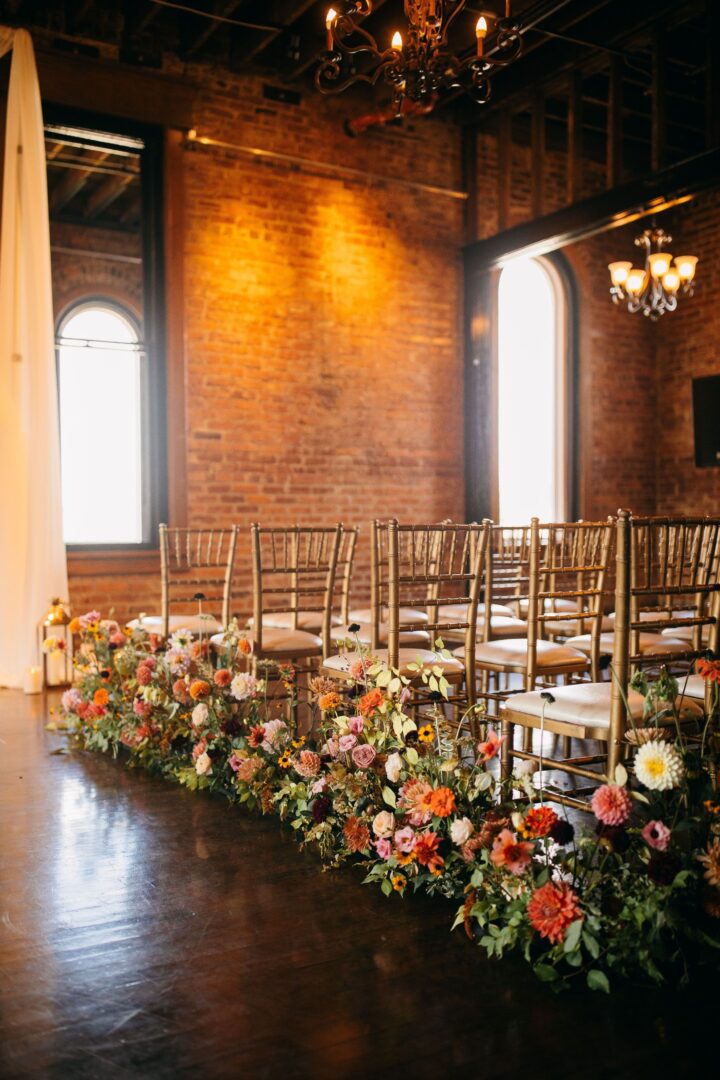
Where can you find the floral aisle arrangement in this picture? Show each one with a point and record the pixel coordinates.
(421, 806)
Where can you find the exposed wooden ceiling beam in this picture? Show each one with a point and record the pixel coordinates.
(285, 13)
(105, 194)
(72, 183)
(223, 11)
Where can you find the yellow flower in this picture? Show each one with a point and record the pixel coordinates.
(426, 734)
(399, 882)
(297, 743)
(284, 760)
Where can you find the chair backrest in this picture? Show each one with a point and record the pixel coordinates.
(429, 565)
(568, 562)
(196, 562)
(507, 563)
(294, 572)
(344, 571)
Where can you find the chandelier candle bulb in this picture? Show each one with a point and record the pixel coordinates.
(685, 266)
(619, 272)
(635, 282)
(329, 26)
(397, 42)
(659, 263)
(671, 280)
(481, 29)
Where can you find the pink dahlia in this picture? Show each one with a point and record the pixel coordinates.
(611, 804)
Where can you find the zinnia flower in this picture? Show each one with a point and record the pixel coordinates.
(363, 756)
(657, 835)
(442, 802)
(203, 764)
(357, 835)
(223, 677)
(511, 853)
(488, 749)
(383, 824)
(552, 908)
(101, 697)
(539, 821)
(711, 861)
(611, 804)
(393, 767)
(659, 766)
(461, 830)
(372, 700)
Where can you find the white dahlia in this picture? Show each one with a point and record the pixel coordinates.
(659, 766)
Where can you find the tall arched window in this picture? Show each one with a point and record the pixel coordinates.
(532, 393)
(102, 435)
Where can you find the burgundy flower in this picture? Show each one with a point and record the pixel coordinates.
(321, 808)
(562, 832)
(615, 836)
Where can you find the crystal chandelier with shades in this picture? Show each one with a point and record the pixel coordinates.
(420, 62)
(654, 288)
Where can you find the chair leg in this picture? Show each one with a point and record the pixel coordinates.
(506, 760)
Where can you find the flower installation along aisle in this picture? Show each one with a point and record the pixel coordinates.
(636, 893)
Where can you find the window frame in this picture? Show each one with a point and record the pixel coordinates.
(151, 320)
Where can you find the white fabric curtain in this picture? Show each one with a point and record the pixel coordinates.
(33, 566)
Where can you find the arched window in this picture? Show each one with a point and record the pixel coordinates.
(101, 372)
(532, 393)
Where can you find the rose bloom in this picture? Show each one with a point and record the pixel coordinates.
(552, 908)
(461, 830)
(203, 764)
(243, 686)
(307, 763)
(346, 743)
(393, 767)
(511, 853)
(363, 756)
(372, 700)
(356, 724)
(442, 802)
(383, 848)
(223, 677)
(489, 749)
(657, 835)
(539, 820)
(611, 804)
(405, 840)
(414, 796)
(71, 699)
(383, 824)
(200, 714)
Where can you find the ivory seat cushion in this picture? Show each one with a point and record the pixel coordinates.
(501, 626)
(207, 624)
(457, 612)
(280, 642)
(685, 633)
(307, 620)
(337, 665)
(693, 688)
(656, 616)
(512, 654)
(550, 605)
(649, 643)
(585, 704)
(364, 635)
(572, 627)
(410, 615)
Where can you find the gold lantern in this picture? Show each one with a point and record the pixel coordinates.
(56, 645)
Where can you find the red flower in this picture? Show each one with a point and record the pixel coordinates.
(488, 749)
(510, 852)
(223, 677)
(256, 735)
(425, 850)
(709, 669)
(441, 802)
(539, 820)
(552, 908)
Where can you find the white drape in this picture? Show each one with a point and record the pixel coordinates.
(32, 553)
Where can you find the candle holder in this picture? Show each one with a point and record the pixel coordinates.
(56, 645)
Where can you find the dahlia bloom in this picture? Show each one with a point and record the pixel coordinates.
(552, 908)
(489, 749)
(659, 766)
(657, 835)
(611, 804)
(223, 677)
(442, 802)
(414, 796)
(243, 687)
(511, 853)
(539, 821)
(199, 688)
(426, 845)
(307, 763)
(357, 835)
(711, 861)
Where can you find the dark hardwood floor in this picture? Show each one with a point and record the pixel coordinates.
(148, 931)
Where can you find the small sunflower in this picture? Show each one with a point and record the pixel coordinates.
(404, 860)
(285, 760)
(297, 743)
(426, 734)
(399, 881)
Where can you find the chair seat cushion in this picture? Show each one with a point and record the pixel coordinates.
(280, 642)
(338, 664)
(408, 615)
(685, 633)
(586, 704)
(457, 612)
(206, 624)
(557, 605)
(364, 635)
(573, 627)
(512, 654)
(693, 688)
(656, 616)
(501, 626)
(649, 643)
(311, 621)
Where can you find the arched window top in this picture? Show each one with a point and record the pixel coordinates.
(532, 393)
(98, 322)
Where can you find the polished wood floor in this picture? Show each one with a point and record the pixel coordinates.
(147, 931)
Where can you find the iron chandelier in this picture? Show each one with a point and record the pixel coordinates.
(654, 289)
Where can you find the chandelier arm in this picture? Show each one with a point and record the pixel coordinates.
(451, 19)
(352, 50)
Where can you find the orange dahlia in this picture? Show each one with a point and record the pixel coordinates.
(372, 700)
(552, 908)
(539, 820)
(357, 835)
(441, 802)
(101, 697)
(199, 689)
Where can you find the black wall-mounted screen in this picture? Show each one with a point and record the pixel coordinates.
(706, 410)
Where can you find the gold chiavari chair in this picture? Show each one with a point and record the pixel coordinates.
(293, 573)
(675, 560)
(196, 569)
(566, 564)
(312, 620)
(422, 566)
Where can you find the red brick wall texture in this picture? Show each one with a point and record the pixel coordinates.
(323, 334)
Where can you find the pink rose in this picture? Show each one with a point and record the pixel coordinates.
(405, 840)
(318, 786)
(657, 835)
(356, 724)
(383, 848)
(364, 755)
(347, 742)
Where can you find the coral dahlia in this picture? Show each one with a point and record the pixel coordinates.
(552, 908)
